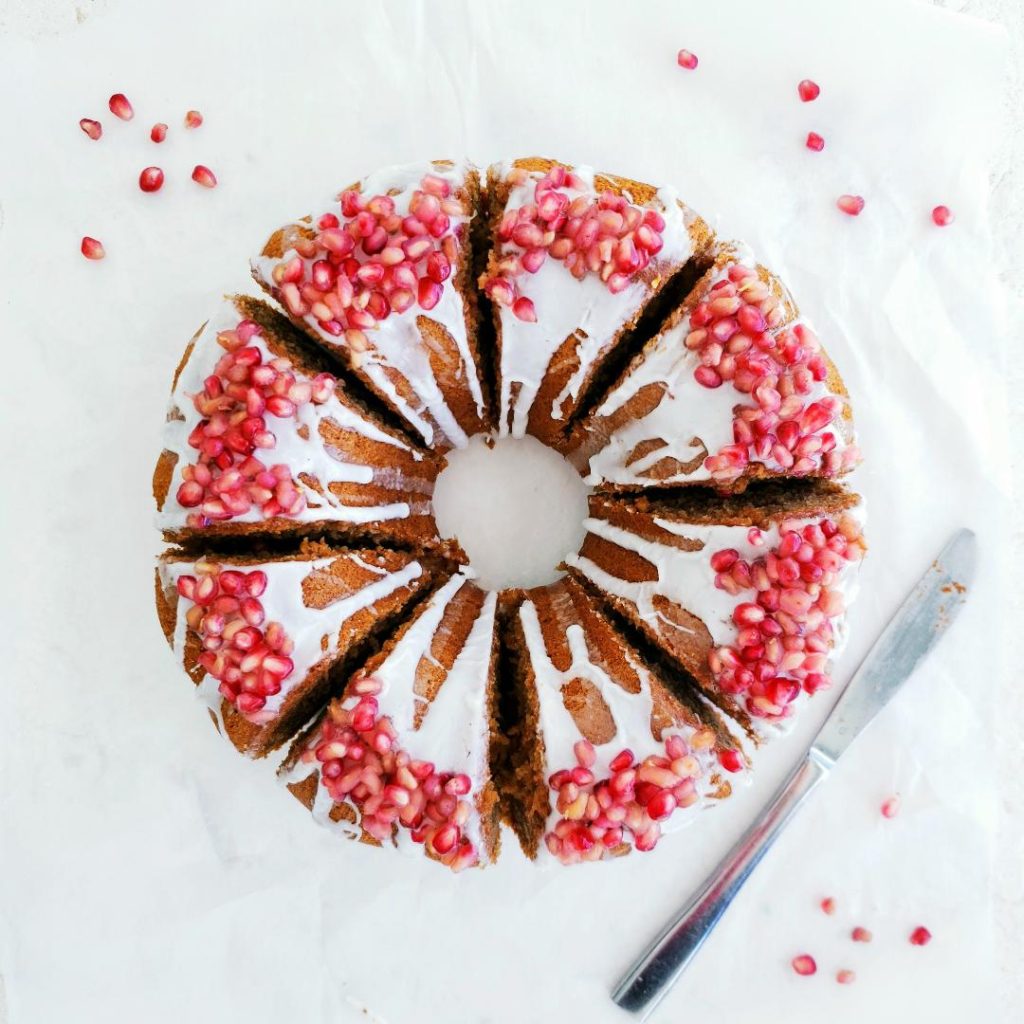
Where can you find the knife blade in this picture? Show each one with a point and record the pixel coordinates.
(913, 631)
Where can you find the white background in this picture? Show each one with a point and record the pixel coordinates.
(146, 872)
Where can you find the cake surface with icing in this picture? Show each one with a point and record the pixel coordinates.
(322, 619)
(577, 258)
(381, 275)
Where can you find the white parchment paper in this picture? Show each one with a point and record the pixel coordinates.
(147, 872)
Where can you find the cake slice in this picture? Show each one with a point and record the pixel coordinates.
(746, 593)
(403, 757)
(264, 638)
(608, 756)
(382, 275)
(735, 387)
(577, 259)
(262, 439)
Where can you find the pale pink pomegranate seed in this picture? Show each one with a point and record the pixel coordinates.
(120, 107)
(942, 215)
(158, 132)
(687, 60)
(804, 964)
(815, 142)
(91, 128)
(920, 936)
(204, 176)
(151, 179)
(845, 977)
(92, 248)
(193, 119)
(851, 205)
(828, 905)
(861, 934)
(891, 807)
(808, 90)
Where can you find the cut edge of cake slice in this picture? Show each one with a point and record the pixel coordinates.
(744, 593)
(384, 279)
(262, 439)
(562, 332)
(268, 639)
(403, 756)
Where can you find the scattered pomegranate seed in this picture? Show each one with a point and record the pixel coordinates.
(815, 142)
(204, 176)
(920, 936)
(120, 107)
(151, 179)
(804, 964)
(828, 905)
(158, 132)
(846, 977)
(730, 760)
(850, 204)
(523, 309)
(891, 807)
(193, 119)
(861, 934)
(92, 248)
(808, 90)
(942, 215)
(94, 130)
(687, 60)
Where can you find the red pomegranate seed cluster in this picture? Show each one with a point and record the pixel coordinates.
(733, 333)
(785, 633)
(247, 655)
(362, 764)
(227, 479)
(601, 234)
(372, 261)
(599, 816)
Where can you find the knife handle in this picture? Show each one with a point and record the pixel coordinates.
(648, 981)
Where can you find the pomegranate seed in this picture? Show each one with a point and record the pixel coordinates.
(942, 215)
(851, 205)
(120, 107)
(920, 936)
(523, 309)
(687, 60)
(91, 128)
(860, 934)
(158, 132)
(204, 176)
(845, 977)
(808, 90)
(92, 248)
(891, 807)
(193, 119)
(151, 179)
(730, 760)
(828, 905)
(815, 142)
(804, 964)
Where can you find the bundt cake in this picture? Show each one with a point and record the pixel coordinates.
(310, 599)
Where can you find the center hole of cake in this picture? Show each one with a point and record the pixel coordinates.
(517, 509)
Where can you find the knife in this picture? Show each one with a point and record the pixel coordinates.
(912, 632)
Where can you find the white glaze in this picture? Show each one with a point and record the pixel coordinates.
(396, 340)
(686, 579)
(314, 631)
(630, 711)
(455, 731)
(302, 455)
(567, 306)
(688, 414)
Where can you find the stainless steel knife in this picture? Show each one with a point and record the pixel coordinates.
(911, 633)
